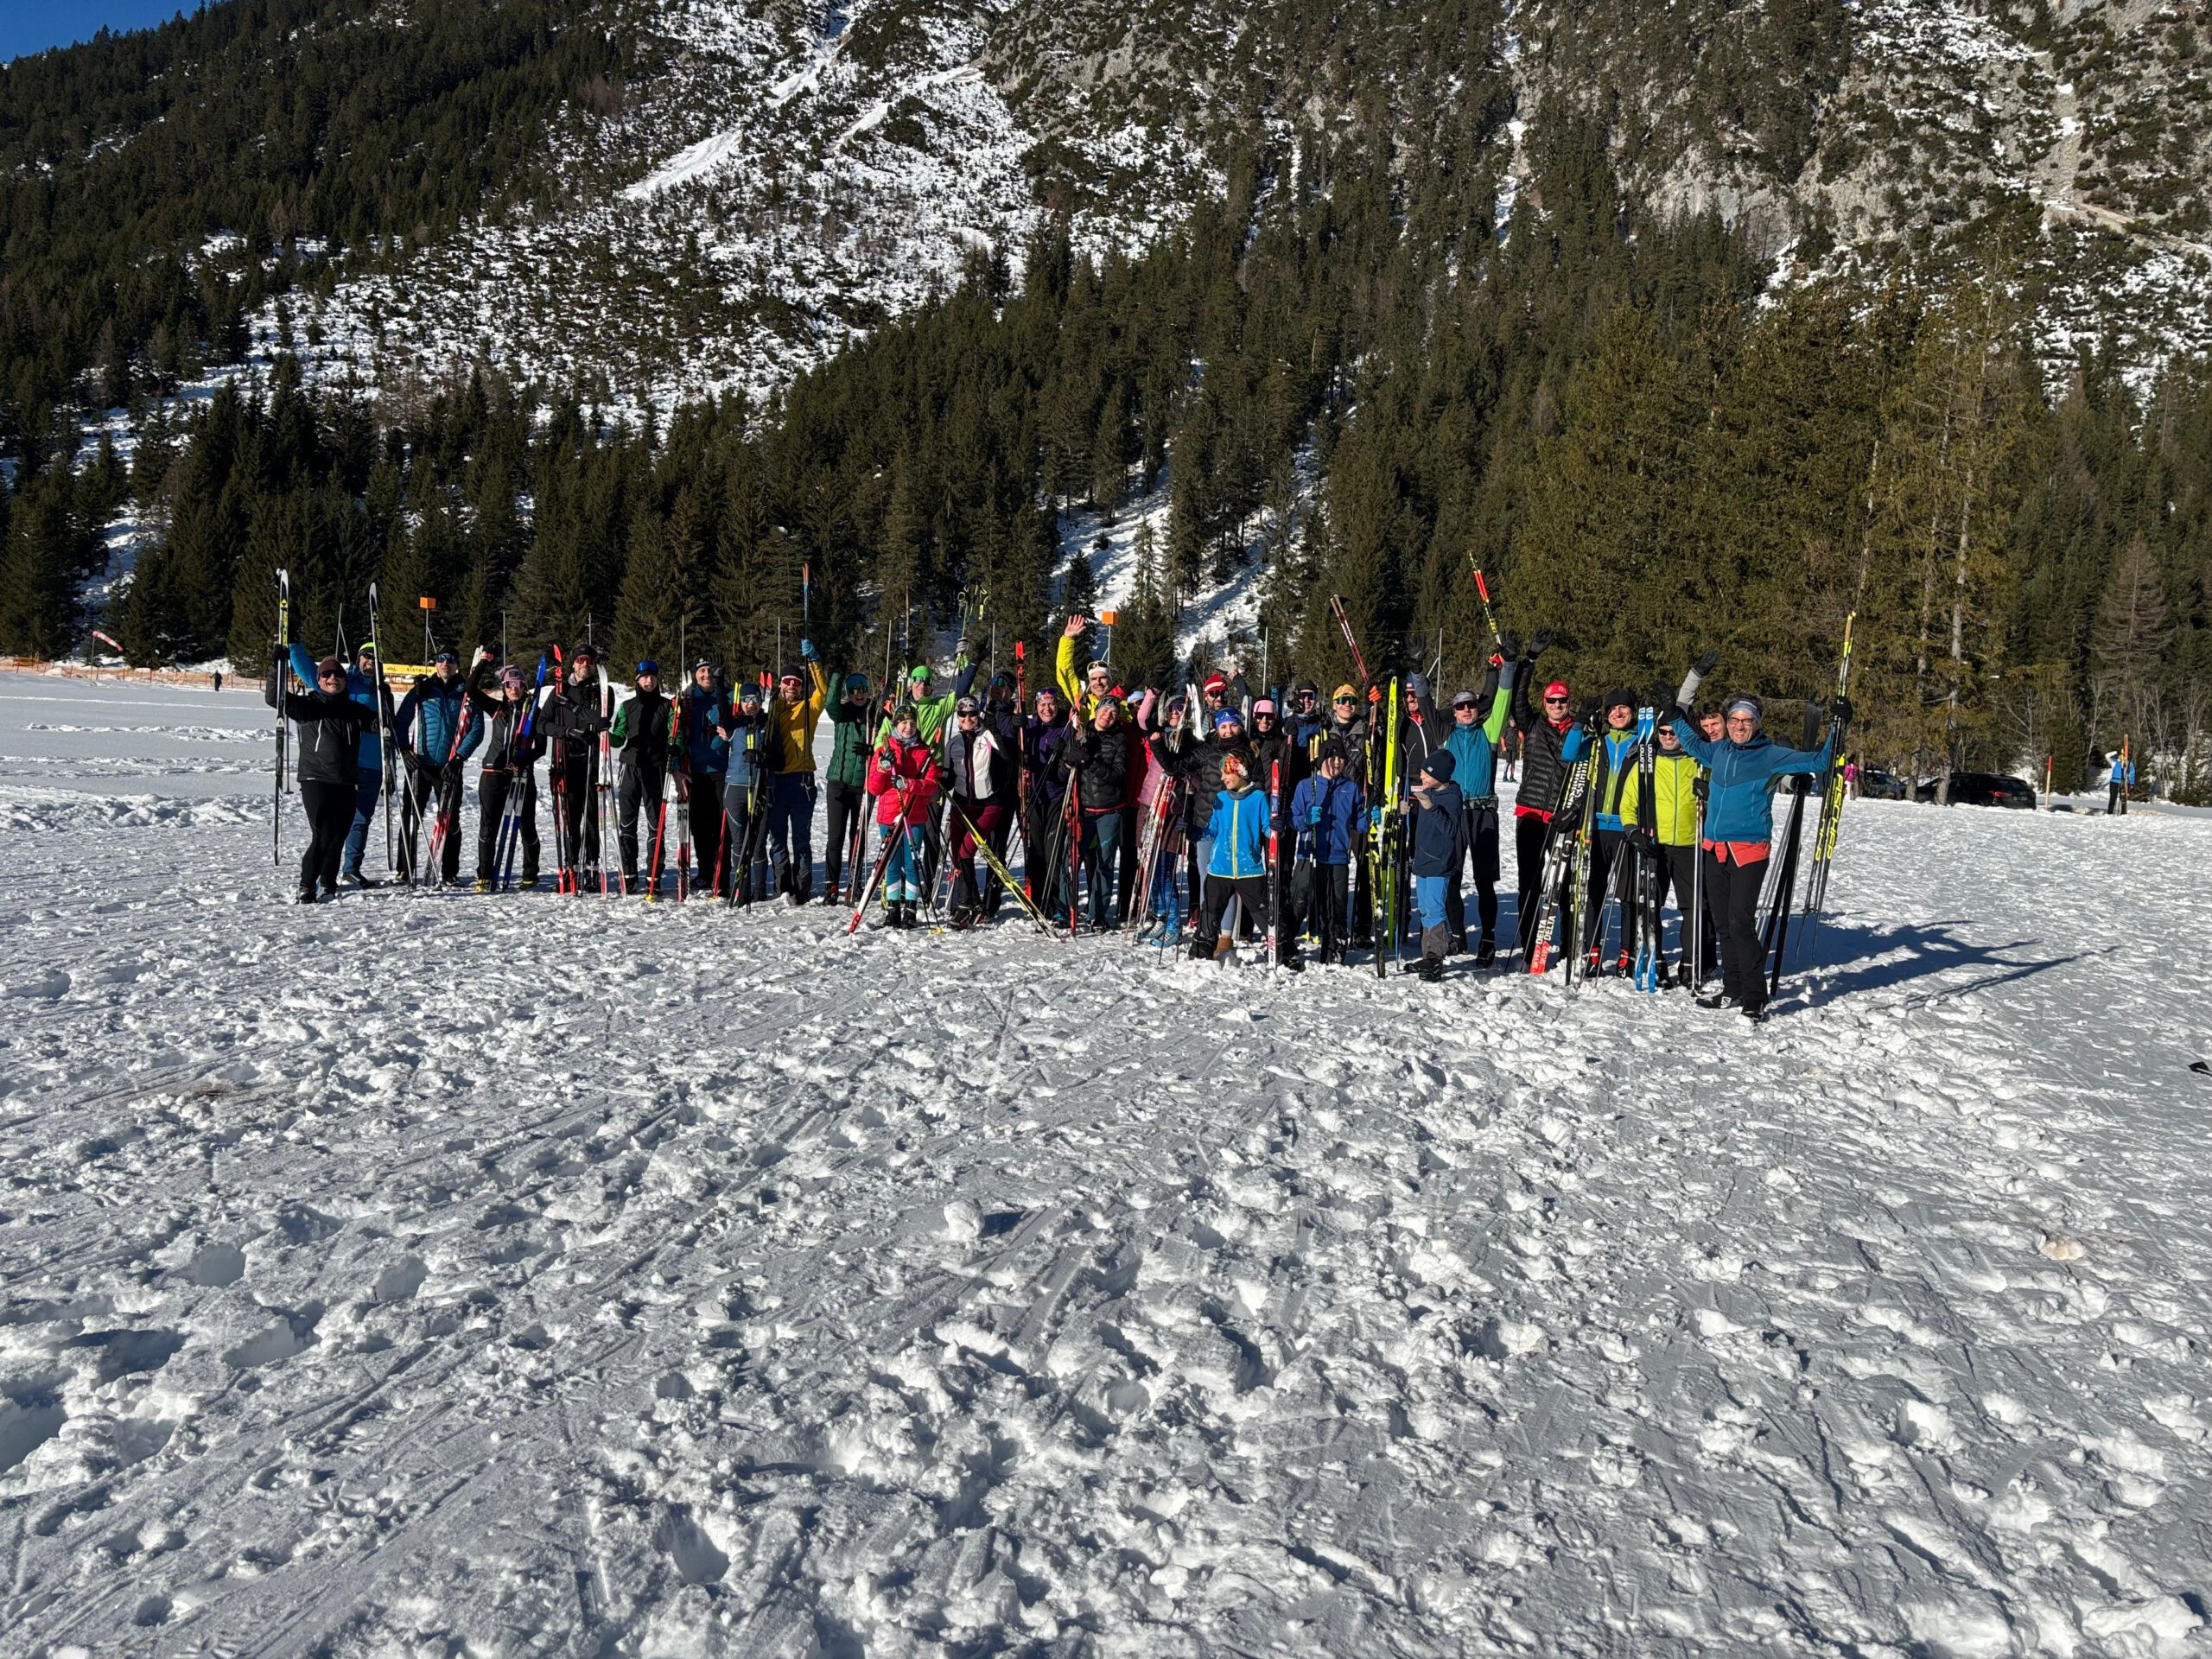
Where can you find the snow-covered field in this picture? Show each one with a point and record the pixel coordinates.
(431, 1274)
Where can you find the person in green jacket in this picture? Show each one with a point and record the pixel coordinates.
(1666, 830)
(845, 783)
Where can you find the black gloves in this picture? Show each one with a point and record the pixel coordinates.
(1508, 645)
(1707, 662)
(1840, 710)
(1541, 644)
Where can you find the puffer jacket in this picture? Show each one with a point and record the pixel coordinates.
(1101, 759)
(978, 769)
(432, 714)
(849, 725)
(1238, 825)
(1441, 827)
(914, 764)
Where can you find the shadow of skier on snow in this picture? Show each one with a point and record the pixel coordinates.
(1889, 957)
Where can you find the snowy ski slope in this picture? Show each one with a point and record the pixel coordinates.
(425, 1273)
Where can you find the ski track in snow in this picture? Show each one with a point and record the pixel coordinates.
(420, 1271)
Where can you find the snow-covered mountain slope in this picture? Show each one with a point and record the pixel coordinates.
(778, 178)
(422, 1272)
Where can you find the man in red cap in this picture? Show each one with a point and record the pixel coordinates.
(1543, 775)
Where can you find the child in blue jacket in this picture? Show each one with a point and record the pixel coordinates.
(1325, 812)
(1237, 865)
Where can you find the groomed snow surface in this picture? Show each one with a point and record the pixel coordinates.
(424, 1274)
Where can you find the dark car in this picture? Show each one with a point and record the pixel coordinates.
(1989, 789)
(1879, 785)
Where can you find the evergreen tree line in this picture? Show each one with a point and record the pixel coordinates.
(1338, 374)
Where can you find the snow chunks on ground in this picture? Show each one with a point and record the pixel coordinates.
(420, 1273)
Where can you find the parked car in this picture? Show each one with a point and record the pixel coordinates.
(1879, 785)
(1989, 789)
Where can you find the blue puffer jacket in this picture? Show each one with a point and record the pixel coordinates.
(1326, 813)
(1440, 827)
(426, 720)
(1737, 805)
(705, 708)
(1239, 828)
(363, 691)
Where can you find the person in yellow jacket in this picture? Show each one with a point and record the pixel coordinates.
(1667, 832)
(1085, 689)
(791, 784)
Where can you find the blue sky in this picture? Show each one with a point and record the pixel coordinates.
(34, 25)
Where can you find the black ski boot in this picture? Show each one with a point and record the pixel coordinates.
(1717, 999)
(1754, 1010)
(1486, 952)
(305, 895)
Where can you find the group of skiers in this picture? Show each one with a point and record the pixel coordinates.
(1196, 815)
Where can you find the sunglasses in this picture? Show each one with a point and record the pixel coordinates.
(1559, 702)
(1353, 701)
(326, 674)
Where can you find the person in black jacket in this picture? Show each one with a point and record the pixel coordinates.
(510, 764)
(329, 723)
(1099, 757)
(641, 736)
(1543, 775)
(1439, 847)
(577, 719)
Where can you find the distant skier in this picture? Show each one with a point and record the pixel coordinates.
(1738, 837)
(328, 723)
(903, 777)
(2121, 781)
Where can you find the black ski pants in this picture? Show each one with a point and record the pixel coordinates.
(492, 790)
(1252, 889)
(1608, 850)
(330, 815)
(1732, 892)
(1317, 898)
(705, 807)
(745, 826)
(429, 792)
(1677, 869)
(847, 810)
(1482, 852)
(640, 797)
(579, 809)
(1529, 835)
